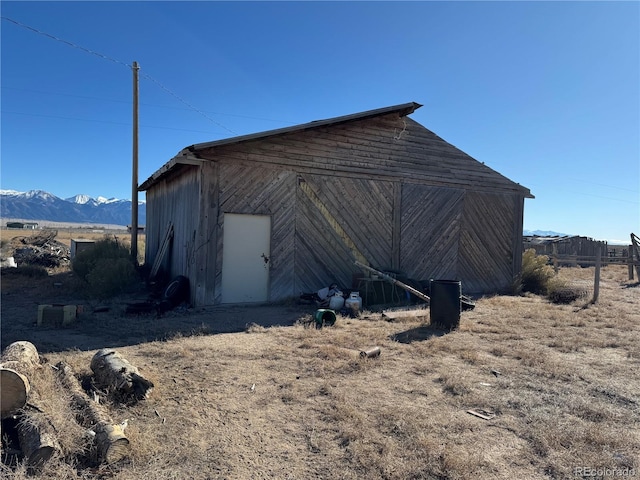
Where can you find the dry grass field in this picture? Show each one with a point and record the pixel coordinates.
(560, 385)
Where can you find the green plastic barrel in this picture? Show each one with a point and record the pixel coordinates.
(445, 303)
(324, 317)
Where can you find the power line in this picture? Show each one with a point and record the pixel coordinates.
(66, 42)
(128, 102)
(145, 75)
(106, 57)
(98, 121)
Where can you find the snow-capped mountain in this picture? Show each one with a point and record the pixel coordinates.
(41, 205)
(544, 233)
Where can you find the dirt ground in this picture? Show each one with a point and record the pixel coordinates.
(250, 392)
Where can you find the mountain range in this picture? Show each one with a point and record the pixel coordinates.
(41, 205)
(544, 233)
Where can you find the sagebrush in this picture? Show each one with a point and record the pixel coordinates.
(107, 267)
(536, 273)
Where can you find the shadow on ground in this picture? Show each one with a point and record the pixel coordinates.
(108, 325)
(419, 334)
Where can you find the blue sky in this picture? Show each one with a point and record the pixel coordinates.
(546, 93)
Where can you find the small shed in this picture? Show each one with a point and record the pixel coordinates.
(266, 216)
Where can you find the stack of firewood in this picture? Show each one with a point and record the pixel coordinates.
(20, 399)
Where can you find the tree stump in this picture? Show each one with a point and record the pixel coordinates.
(18, 361)
(113, 371)
(111, 443)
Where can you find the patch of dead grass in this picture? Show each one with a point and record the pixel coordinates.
(294, 402)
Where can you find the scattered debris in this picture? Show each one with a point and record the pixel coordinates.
(393, 281)
(466, 303)
(176, 293)
(9, 262)
(496, 372)
(42, 249)
(57, 315)
(484, 414)
(372, 352)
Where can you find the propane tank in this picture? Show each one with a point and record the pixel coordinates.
(354, 303)
(336, 301)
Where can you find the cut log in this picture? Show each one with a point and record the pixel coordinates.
(18, 361)
(110, 442)
(14, 391)
(23, 352)
(37, 439)
(116, 373)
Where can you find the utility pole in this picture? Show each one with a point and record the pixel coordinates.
(134, 176)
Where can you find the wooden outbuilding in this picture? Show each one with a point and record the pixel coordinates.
(266, 216)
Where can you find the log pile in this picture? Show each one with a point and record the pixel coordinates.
(36, 433)
(110, 442)
(24, 407)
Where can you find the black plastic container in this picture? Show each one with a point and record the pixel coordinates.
(445, 303)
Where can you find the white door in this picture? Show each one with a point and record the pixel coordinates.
(246, 243)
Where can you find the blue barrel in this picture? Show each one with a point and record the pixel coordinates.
(445, 303)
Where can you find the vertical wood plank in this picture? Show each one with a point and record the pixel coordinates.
(396, 225)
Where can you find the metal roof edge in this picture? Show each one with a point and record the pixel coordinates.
(403, 109)
(179, 159)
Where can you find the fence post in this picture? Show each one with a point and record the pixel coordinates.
(554, 250)
(636, 254)
(596, 281)
(630, 262)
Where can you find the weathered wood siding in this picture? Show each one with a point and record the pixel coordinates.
(356, 225)
(261, 191)
(205, 257)
(485, 259)
(389, 148)
(430, 232)
(175, 199)
(383, 189)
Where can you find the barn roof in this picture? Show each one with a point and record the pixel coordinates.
(194, 154)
